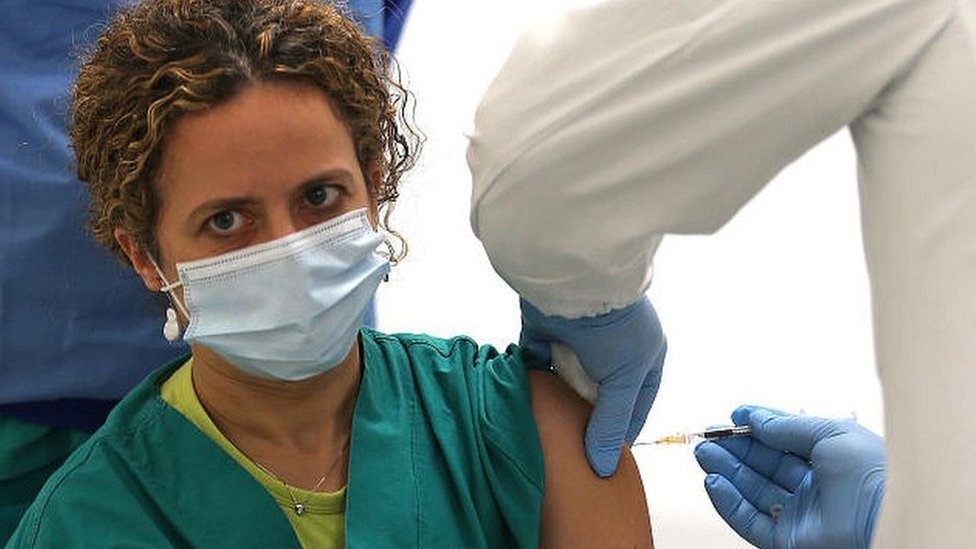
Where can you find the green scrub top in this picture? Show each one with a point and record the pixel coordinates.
(29, 453)
(444, 453)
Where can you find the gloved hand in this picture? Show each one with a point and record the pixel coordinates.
(623, 352)
(798, 482)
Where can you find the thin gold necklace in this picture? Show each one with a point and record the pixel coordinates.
(299, 506)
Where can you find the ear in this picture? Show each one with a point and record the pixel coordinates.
(139, 259)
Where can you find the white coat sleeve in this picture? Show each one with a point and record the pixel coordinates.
(917, 162)
(631, 119)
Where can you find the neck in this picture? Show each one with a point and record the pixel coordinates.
(293, 428)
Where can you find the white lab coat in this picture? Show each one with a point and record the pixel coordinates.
(631, 119)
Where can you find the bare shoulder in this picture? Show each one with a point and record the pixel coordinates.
(581, 509)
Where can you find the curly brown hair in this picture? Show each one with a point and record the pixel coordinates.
(160, 59)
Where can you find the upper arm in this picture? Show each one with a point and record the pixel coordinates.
(579, 508)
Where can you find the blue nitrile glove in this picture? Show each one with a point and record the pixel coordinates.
(798, 482)
(623, 352)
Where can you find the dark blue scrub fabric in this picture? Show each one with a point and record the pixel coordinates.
(74, 324)
(383, 18)
(77, 329)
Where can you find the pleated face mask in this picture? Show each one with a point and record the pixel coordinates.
(287, 309)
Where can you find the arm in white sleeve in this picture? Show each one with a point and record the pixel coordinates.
(630, 119)
(917, 158)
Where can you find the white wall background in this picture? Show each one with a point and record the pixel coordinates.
(773, 309)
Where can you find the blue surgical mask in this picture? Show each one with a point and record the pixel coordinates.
(288, 309)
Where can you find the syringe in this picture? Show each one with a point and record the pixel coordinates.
(708, 434)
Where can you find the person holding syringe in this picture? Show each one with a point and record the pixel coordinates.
(657, 118)
(784, 480)
(779, 479)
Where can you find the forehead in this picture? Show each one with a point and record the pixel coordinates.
(268, 134)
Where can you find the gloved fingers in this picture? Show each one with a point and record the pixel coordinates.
(740, 416)
(536, 343)
(784, 469)
(617, 349)
(786, 432)
(606, 431)
(603, 342)
(758, 490)
(646, 396)
(551, 324)
(642, 406)
(752, 525)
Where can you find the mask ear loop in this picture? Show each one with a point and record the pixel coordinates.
(389, 254)
(171, 328)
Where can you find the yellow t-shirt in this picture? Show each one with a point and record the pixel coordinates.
(321, 526)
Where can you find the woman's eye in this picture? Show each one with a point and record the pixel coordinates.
(321, 195)
(226, 221)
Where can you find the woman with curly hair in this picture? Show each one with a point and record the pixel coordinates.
(243, 157)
